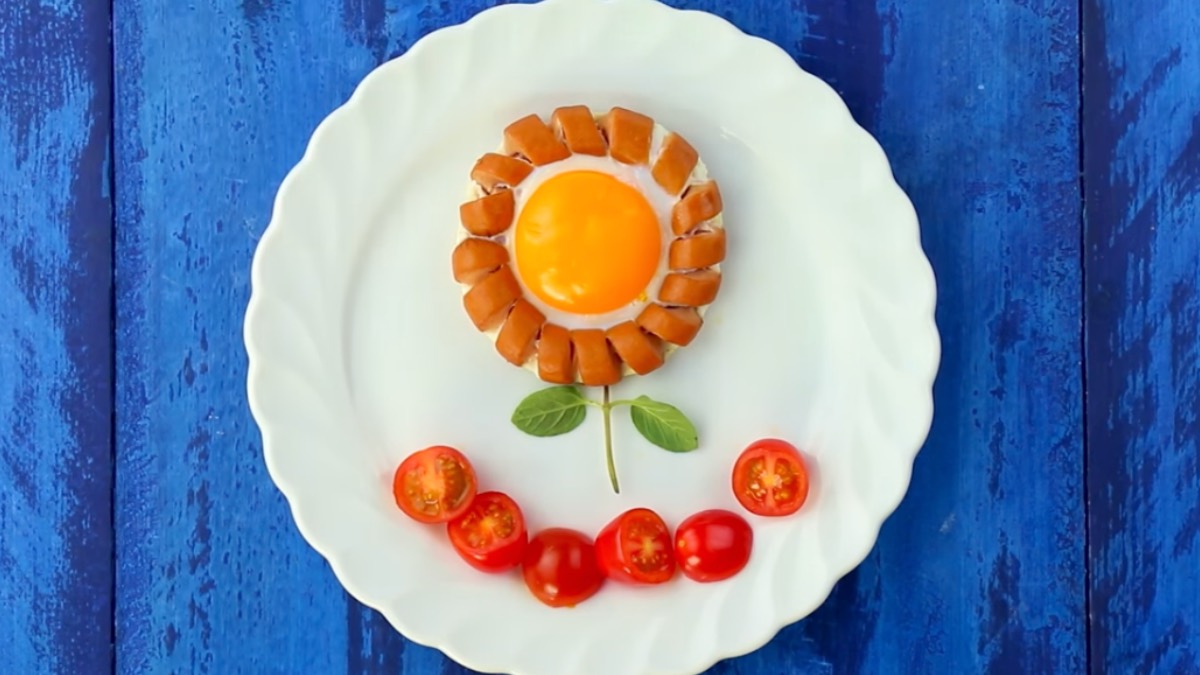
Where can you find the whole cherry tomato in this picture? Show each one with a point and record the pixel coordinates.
(770, 478)
(434, 485)
(636, 548)
(560, 567)
(713, 545)
(490, 535)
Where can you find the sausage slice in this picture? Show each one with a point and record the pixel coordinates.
(554, 355)
(515, 341)
(578, 129)
(493, 170)
(690, 289)
(489, 215)
(629, 135)
(703, 249)
(675, 163)
(643, 353)
(700, 203)
(677, 325)
(474, 258)
(597, 364)
(529, 136)
(488, 300)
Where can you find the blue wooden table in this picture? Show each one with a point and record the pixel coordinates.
(1051, 147)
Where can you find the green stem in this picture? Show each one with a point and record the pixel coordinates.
(606, 408)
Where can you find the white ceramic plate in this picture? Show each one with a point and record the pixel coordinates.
(360, 352)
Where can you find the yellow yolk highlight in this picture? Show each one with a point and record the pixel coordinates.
(587, 243)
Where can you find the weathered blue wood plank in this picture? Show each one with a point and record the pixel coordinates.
(1142, 172)
(982, 568)
(55, 367)
(215, 100)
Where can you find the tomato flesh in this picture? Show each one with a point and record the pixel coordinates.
(770, 478)
(636, 548)
(434, 485)
(713, 545)
(560, 567)
(490, 535)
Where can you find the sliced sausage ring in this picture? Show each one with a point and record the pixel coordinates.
(496, 301)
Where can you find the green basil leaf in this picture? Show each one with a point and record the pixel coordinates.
(663, 425)
(551, 411)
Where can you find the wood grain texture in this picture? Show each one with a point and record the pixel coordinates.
(1142, 172)
(55, 368)
(982, 568)
(214, 102)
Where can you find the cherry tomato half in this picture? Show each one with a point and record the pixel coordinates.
(560, 567)
(713, 545)
(434, 485)
(770, 478)
(636, 548)
(490, 535)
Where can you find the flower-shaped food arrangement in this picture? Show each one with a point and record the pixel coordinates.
(590, 245)
(589, 248)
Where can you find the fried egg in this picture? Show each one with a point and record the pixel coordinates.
(589, 243)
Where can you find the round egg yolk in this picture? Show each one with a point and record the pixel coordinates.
(586, 243)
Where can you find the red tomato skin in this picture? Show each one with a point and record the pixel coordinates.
(499, 558)
(770, 450)
(560, 567)
(713, 545)
(612, 556)
(417, 459)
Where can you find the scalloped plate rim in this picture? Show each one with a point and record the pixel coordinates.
(258, 297)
